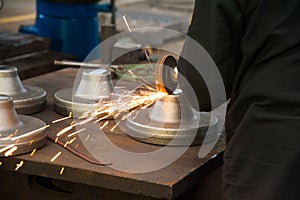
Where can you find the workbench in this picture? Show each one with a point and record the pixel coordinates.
(40, 178)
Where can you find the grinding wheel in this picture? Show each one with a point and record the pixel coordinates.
(166, 74)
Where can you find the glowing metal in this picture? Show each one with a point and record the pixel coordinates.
(62, 170)
(33, 152)
(19, 165)
(56, 156)
(11, 151)
(74, 133)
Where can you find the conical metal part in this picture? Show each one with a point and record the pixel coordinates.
(27, 99)
(171, 121)
(94, 85)
(23, 133)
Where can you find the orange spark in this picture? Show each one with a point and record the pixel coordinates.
(55, 157)
(6, 148)
(62, 119)
(64, 130)
(87, 137)
(101, 127)
(11, 151)
(76, 132)
(19, 165)
(33, 152)
(71, 141)
(62, 170)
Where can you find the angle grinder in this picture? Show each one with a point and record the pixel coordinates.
(166, 74)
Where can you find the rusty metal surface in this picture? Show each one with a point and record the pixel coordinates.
(167, 183)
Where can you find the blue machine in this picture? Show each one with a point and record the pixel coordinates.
(72, 26)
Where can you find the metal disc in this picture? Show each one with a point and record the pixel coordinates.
(166, 75)
(25, 136)
(142, 128)
(32, 101)
(64, 104)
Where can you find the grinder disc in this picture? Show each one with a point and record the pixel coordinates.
(166, 74)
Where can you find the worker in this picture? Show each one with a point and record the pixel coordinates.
(256, 47)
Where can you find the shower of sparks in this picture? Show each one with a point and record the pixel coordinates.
(122, 106)
(76, 132)
(19, 165)
(11, 151)
(34, 131)
(6, 148)
(56, 156)
(105, 124)
(56, 140)
(62, 119)
(72, 140)
(66, 143)
(64, 130)
(62, 170)
(87, 137)
(33, 152)
(148, 58)
(126, 23)
(113, 128)
(13, 134)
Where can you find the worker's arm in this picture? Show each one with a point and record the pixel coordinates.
(216, 27)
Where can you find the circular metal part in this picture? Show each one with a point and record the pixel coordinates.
(19, 131)
(27, 99)
(172, 109)
(171, 119)
(64, 104)
(94, 85)
(166, 74)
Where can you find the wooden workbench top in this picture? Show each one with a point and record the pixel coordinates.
(167, 183)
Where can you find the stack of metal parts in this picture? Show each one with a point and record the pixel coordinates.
(19, 133)
(95, 85)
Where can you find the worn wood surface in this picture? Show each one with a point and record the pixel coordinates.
(167, 183)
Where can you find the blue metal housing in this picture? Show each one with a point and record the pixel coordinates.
(72, 27)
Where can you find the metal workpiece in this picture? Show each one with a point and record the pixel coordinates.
(171, 121)
(166, 74)
(94, 86)
(26, 99)
(21, 132)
